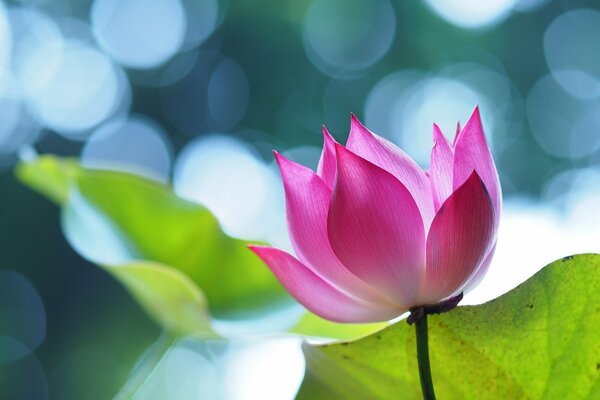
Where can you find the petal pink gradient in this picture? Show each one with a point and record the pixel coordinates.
(374, 225)
(375, 235)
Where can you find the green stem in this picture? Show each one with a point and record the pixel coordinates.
(423, 359)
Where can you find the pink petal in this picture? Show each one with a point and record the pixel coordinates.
(375, 227)
(326, 168)
(307, 200)
(388, 156)
(440, 172)
(456, 133)
(471, 152)
(319, 296)
(481, 271)
(461, 234)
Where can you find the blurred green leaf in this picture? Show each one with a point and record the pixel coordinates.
(167, 295)
(157, 244)
(118, 219)
(50, 176)
(539, 341)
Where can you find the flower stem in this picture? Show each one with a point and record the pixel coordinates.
(423, 359)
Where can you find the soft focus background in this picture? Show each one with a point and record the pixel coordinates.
(198, 92)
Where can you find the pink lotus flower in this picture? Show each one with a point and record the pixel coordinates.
(375, 235)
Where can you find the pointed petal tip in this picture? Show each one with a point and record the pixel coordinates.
(475, 176)
(457, 130)
(279, 158)
(352, 116)
(357, 127)
(261, 251)
(473, 127)
(327, 165)
(472, 152)
(476, 115)
(285, 164)
(257, 248)
(437, 133)
(439, 139)
(475, 179)
(327, 135)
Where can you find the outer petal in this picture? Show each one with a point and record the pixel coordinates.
(481, 271)
(440, 171)
(317, 295)
(326, 167)
(471, 152)
(459, 239)
(388, 156)
(307, 203)
(375, 227)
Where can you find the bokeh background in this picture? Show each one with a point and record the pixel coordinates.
(197, 93)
